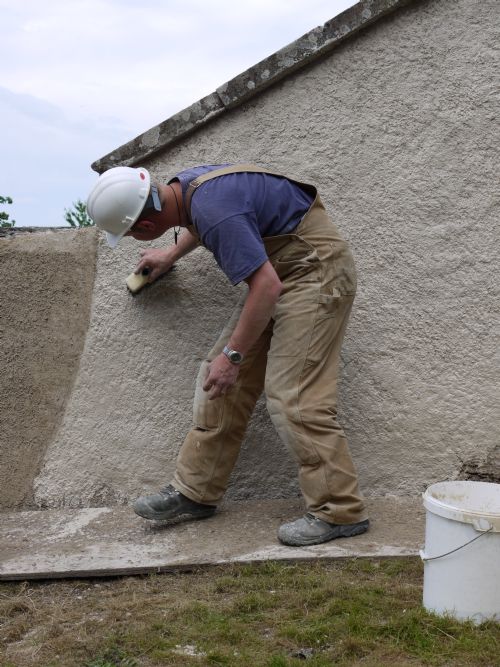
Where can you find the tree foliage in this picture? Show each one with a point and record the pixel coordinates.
(77, 215)
(4, 217)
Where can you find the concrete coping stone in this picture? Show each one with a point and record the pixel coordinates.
(300, 53)
(6, 232)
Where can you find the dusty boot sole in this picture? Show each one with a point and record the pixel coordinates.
(336, 531)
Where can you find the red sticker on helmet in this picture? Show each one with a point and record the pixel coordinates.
(142, 175)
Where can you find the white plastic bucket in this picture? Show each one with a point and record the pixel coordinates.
(462, 550)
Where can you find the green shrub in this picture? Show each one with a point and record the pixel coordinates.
(77, 216)
(4, 217)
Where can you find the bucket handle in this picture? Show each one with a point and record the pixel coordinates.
(426, 558)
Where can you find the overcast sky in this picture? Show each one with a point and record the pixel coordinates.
(78, 78)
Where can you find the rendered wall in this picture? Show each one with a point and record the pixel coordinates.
(46, 287)
(397, 128)
(132, 401)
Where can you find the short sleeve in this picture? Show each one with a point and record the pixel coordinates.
(224, 215)
(237, 246)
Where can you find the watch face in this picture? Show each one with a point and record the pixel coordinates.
(235, 357)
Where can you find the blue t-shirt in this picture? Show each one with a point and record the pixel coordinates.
(232, 214)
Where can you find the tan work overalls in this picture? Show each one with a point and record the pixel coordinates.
(295, 361)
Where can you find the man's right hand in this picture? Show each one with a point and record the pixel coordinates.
(157, 260)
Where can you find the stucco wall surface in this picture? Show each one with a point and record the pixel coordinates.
(132, 401)
(46, 288)
(397, 127)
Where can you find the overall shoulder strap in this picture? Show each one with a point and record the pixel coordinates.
(232, 169)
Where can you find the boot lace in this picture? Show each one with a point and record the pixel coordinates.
(168, 490)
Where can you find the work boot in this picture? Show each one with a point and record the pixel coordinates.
(309, 529)
(169, 504)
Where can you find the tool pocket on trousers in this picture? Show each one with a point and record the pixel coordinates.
(330, 315)
(344, 271)
(328, 305)
(207, 415)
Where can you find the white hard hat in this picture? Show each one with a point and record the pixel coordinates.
(117, 199)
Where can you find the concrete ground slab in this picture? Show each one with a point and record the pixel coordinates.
(109, 541)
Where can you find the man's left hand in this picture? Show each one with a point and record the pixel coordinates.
(221, 376)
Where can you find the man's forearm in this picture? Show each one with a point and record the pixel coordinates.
(264, 290)
(186, 242)
(160, 260)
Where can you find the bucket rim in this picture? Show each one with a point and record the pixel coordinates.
(482, 520)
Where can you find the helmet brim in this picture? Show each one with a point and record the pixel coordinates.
(114, 239)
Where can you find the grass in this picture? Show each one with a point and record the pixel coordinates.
(338, 613)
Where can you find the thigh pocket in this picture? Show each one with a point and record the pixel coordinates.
(344, 271)
(328, 305)
(207, 415)
(329, 325)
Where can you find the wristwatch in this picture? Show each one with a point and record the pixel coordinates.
(233, 356)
